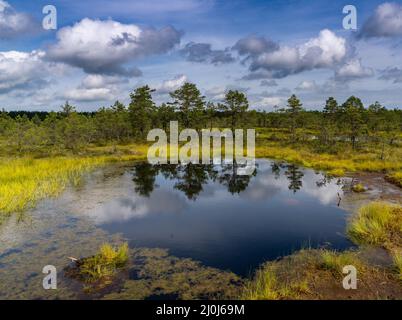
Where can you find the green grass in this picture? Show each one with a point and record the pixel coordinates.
(25, 181)
(104, 264)
(397, 258)
(377, 223)
(267, 286)
(314, 273)
(335, 261)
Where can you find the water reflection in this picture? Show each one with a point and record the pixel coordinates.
(190, 178)
(211, 214)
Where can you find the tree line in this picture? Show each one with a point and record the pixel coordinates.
(347, 123)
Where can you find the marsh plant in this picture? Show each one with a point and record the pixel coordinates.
(102, 266)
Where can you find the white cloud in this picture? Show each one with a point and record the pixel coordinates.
(172, 84)
(270, 101)
(95, 94)
(353, 69)
(14, 23)
(96, 81)
(385, 22)
(22, 70)
(307, 86)
(325, 51)
(105, 47)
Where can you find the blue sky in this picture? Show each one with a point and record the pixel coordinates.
(103, 49)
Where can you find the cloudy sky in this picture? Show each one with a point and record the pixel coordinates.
(101, 50)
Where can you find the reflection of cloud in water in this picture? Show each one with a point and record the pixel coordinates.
(266, 186)
(125, 209)
(291, 202)
(325, 195)
(260, 191)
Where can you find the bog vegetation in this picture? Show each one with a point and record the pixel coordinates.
(372, 133)
(40, 152)
(318, 273)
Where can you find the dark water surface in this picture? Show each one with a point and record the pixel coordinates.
(224, 220)
(204, 213)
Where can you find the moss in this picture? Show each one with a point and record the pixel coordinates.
(154, 273)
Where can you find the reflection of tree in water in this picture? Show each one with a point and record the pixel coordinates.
(144, 178)
(276, 169)
(294, 176)
(190, 177)
(324, 181)
(234, 182)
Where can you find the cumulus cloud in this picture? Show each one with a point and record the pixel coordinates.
(95, 81)
(203, 52)
(307, 86)
(171, 84)
(22, 70)
(353, 69)
(392, 74)
(325, 51)
(96, 87)
(385, 22)
(254, 46)
(106, 46)
(84, 94)
(13, 23)
(268, 83)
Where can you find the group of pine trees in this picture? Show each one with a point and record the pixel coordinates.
(68, 129)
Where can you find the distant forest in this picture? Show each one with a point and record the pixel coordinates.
(348, 122)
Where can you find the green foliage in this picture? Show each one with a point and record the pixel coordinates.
(294, 108)
(236, 104)
(105, 264)
(189, 102)
(353, 112)
(141, 108)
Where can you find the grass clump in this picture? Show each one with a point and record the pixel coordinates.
(276, 281)
(397, 258)
(377, 223)
(358, 188)
(335, 261)
(103, 265)
(395, 178)
(337, 172)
